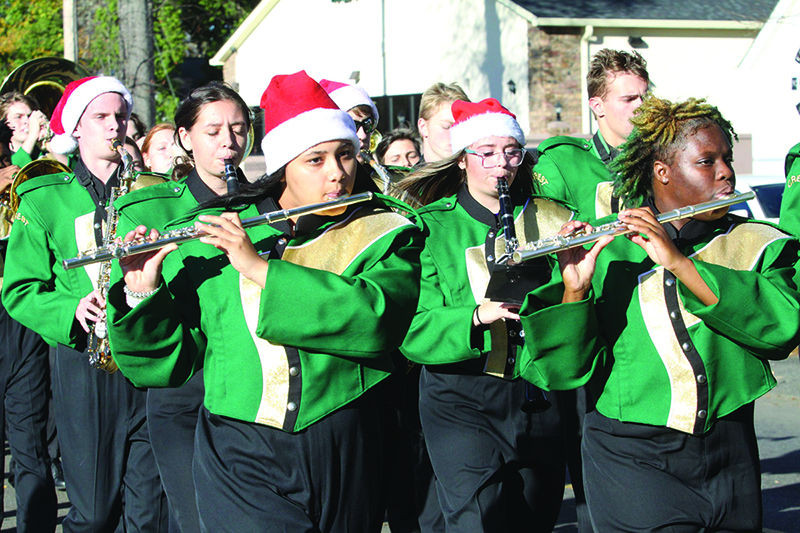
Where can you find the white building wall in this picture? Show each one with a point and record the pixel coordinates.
(480, 44)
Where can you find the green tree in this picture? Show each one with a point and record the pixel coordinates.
(27, 32)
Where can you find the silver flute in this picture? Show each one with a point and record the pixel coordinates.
(558, 243)
(117, 249)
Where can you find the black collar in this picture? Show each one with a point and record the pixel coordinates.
(202, 192)
(693, 231)
(606, 155)
(474, 208)
(100, 191)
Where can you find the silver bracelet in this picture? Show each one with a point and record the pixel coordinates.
(138, 295)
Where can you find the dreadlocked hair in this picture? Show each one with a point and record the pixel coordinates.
(442, 178)
(660, 128)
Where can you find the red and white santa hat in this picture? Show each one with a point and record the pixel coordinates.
(76, 98)
(474, 121)
(349, 96)
(299, 114)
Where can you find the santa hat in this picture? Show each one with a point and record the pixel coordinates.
(76, 98)
(349, 96)
(299, 114)
(474, 121)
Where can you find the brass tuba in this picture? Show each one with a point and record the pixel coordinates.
(44, 79)
(9, 199)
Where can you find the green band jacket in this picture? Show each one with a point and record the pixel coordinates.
(573, 171)
(336, 303)
(463, 242)
(56, 219)
(790, 204)
(656, 354)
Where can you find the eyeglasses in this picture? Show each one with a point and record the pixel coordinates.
(369, 124)
(492, 159)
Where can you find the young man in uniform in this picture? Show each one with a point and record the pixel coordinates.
(27, 122)
(575, 170)
(112, 480)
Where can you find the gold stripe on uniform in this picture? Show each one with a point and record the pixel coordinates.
(602, 199)
(333, 251)
(84, 238)
(738, 249)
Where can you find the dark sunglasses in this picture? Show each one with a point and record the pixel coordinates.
(369, 124)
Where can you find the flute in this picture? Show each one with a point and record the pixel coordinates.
(117, 250)
(558, 243)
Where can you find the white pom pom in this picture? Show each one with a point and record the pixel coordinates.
(63, 144)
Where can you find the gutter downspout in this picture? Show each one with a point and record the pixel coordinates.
(586, 113)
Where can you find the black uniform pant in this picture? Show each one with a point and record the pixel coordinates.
(325, 478)
(111, 474)
(651, 478)
(172, 421)
(497, 468)
(24, 382)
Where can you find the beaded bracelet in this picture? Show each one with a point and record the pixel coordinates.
(133, 298)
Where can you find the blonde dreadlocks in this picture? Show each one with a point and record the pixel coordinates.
(659, 129)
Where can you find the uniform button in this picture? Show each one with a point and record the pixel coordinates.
(686, 346)
(491, 234)
(294, 371)
(176, 189)
(511, 360)
(66, 178)
(701, 378)
(522, 333)
(96, 225)
(490, 258)
(702, 413)
(673, 315)
(512, 333)
(448, 204)
(291, 406)
(670, 282)
(281, 241)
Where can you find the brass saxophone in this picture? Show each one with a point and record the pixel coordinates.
(97, 346)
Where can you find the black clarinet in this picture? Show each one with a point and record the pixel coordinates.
(506, 221)
(231, 179)
(535, 399)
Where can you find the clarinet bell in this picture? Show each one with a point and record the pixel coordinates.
(535, 400)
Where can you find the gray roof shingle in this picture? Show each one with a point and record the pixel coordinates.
(716, 10)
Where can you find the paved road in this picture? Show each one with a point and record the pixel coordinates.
(778, 429)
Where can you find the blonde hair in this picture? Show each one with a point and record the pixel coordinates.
(437, 94)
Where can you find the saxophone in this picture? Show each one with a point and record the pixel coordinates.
(97, 345)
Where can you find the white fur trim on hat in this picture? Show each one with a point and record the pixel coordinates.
(293, 137)
(478, 127)
(350, 96)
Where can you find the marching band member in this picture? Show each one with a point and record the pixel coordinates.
(102, 429)
(436, 119)
(212, 125)
(359, 106)
(28, 124)
(292, 324)
(498, 468)
(675, 335)
(158, 147)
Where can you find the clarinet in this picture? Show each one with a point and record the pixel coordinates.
(535, 399)
(231, 179)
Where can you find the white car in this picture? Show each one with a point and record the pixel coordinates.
(767, 203)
